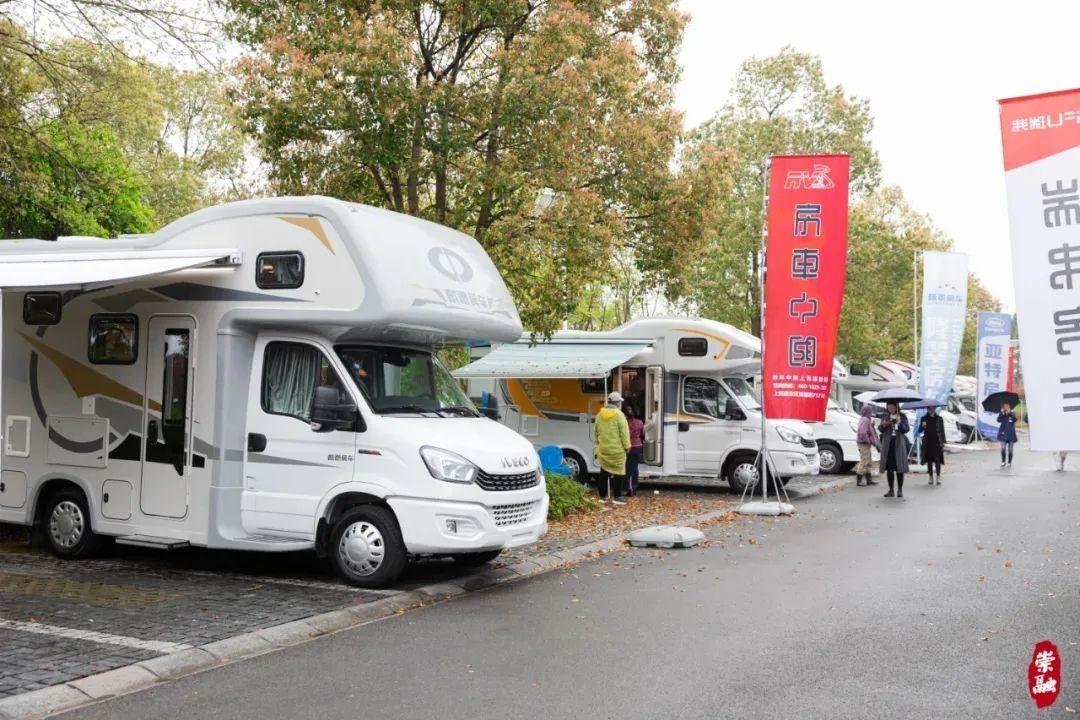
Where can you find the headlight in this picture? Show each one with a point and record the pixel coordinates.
(448, 466)
(789, 435)
(854, 427)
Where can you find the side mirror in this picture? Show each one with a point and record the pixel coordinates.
(489, 412)
(327, 417)
(732, 411)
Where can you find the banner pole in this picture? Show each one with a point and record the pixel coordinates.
(764, 479)
(915, 303)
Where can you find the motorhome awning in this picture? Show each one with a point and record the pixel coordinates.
(86, 269)
(551, 360)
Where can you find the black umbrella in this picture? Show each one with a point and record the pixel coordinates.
(896, 395)
(994, 401)
(923, 404)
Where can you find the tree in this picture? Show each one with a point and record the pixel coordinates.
(780, 104)
(542, 127)
(979, 299)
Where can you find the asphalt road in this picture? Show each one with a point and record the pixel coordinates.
(859, 607)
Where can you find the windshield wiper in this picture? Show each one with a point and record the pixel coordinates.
(405, 408)
(463, 409)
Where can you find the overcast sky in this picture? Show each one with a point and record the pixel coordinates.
(932, 71)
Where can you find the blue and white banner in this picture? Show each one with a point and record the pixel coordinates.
(944, 308)
(994, 336)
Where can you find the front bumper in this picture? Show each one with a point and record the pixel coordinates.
(789, 463)
(447, 526)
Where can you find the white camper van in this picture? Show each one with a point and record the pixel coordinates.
(687, 378)
(260, 376)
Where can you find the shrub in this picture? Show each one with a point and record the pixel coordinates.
(567, 496)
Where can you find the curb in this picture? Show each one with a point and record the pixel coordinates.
(138, 676)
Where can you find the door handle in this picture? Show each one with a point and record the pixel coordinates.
(256, 442)
(152, 432)
(684, 427)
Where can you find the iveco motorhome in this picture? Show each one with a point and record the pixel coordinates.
(686, 378)
(260, 376)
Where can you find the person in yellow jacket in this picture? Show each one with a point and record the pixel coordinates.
(611, 435)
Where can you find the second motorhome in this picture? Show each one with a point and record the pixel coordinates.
(690, 380)
(261, 376)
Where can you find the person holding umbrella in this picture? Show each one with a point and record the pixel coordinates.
(932, 431)
(1002, 402)
(894, 448)
(1006, 433)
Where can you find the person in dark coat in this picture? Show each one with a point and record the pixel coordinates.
(1006, 434)
(894, 448)
(932, 431)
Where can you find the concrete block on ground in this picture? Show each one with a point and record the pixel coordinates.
(238, 647)
(180, 663)
(115, 682)
(39, 703)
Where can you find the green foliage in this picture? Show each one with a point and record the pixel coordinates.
(568, 496)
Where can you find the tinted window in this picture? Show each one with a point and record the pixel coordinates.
(279, 271)
(693, 347)
(114, 339)
(41, 308)
(702, 396)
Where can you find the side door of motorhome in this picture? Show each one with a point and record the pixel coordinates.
(167, 403)
(292, 461)
(704, 433)
(654, 416)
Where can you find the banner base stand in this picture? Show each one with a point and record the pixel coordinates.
(764, 507)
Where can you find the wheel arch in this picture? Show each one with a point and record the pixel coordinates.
(335, 505)
(54, 482)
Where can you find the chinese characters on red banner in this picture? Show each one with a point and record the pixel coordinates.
(806, 264)
(1044, 674)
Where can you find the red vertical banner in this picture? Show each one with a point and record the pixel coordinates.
(806, 266)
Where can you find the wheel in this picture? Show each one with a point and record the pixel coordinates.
(476, 558)
(366, 547)
(832, 458)
(578, 469)
(743, 471)
(67, 525)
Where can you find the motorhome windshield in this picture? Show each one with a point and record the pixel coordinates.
(398, 381)
(747, 393)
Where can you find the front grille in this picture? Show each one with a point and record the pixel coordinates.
(808, 443)
(497, 483)
(515, 514)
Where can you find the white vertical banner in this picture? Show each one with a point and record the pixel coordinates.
(992, 374)
(1040, 137)
(944, 310)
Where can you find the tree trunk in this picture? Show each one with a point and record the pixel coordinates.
(412, 182)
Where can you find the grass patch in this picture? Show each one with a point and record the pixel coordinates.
(568, 496)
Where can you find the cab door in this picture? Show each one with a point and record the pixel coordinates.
(296, 451)
(704, 433)
(170, 379)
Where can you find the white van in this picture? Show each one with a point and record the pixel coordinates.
(687, 378)
(261, 376)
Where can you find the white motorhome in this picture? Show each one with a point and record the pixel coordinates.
(260, 376)
(687, 378)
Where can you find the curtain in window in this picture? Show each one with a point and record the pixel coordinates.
(289, 378)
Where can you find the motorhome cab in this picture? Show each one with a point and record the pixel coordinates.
(261, 376)
(687, 379)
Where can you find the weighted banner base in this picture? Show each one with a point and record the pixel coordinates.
(758, 507)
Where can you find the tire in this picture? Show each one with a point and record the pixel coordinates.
(832, 458)
(738, 475)
(476, 558)
(578, 469)
(67, 526)
(366, 548)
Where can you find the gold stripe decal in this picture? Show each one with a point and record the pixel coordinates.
(86, 381)
(313, 226)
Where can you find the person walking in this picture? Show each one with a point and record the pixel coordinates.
(637, 449)
(611, 436)
(1061, 460)
(866, 438)
(932, 432)
(1006, 434)
(894, 448)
